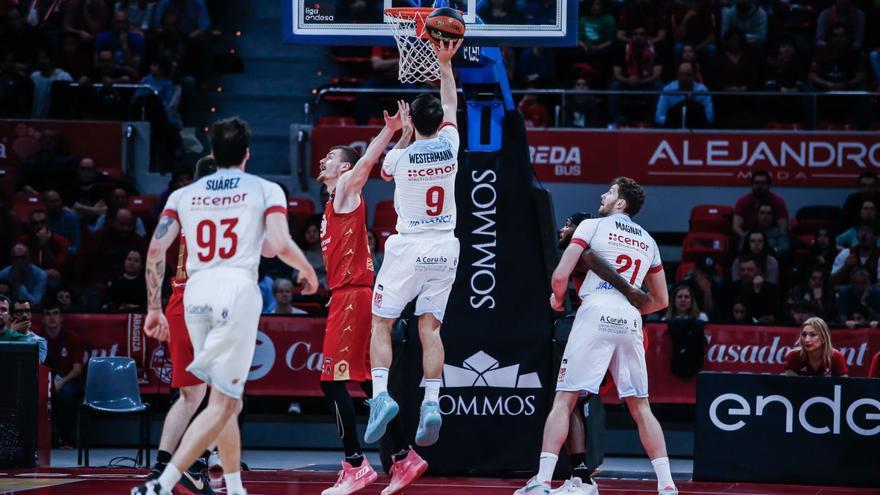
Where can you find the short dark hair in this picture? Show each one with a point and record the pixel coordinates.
(746, 258)
(631, 192)
(763, 173)
(206, 165)
(20, 300)
(230, 139)
(766, 203)
(578, 217)
(5, 299)
(349, 154)
(427, 114)
(52, 303)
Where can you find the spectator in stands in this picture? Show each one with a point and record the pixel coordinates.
(534, 112)
(540, 12)
(85, 18)
(169, 93)
(816, 291)
(107, 71)
(693, 23)
(75, 59)
(777, 237)
(193, 14)
(536, 67)
(822, 251)
(378, 257)
(707, 286)
(813, 354)
(62, 221)
(738, 68)
(637, 67)
(867, 214)
(843, 12)
(65, 359)
(689, 54)
(799, 312)
(64, 297)
(755, 245)
(139, 12)
(863, 255)
(51, 167)
(43, 77)
(311, 246)
(9, 230)
(499, 12)
(48, 250)
(118, 200)
(127, 46)
(107, 248)
(867, 189)
(840, 67)
(85, 196)
(21, 323)
(5, 288)
(745, 215)
(581, 110)
(786, 71)
(646, 14)
(760, 296)
(19, 39)
(862, 316)
(739, 314)
(168, 42)
(749, 18)
(282, 291)
(16, 88)
(7, 334)
(697, 102)
(684, 305)
(28, 280)
(596, 35)
(858, 293)
(128, 291)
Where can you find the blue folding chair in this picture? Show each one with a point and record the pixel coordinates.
(112, 387)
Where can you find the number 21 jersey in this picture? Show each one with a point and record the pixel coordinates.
(222, 217)
(424, 182)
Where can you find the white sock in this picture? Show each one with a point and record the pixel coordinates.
(380, 381)
(432, 390)
(233, 483)
(546, 467)
(664, 476)
(169, 477)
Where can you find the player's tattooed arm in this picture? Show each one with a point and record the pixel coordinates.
(155, 275)
(162, 229)
(164, 236)
(606, 272)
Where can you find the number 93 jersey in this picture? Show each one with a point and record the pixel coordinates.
(622, 243)
(424, 182)
(222, 217)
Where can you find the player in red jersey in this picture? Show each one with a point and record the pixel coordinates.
(350, 276)
(192, 390)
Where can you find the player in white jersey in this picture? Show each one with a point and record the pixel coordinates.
(421, 259)
(227, 218)
(607, 334)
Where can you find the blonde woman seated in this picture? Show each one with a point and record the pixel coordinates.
(813, 354)
(684, 305)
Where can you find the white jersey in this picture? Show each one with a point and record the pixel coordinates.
(424, 177)
(625, 245)
(223, 219)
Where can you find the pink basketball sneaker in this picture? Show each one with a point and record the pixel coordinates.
(351, 479)
(404, 472)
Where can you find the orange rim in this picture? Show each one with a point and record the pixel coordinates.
(417, 14)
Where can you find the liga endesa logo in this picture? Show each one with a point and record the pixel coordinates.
(731, 412)
(482, 372)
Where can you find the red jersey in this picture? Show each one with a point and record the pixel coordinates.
(800, 365)
(345, 247)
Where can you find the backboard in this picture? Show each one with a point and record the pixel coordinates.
(361, 22)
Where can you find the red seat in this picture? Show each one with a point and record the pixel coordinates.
(24, 204)
(686, 266)
(698, 245)
(384, 215)
(110, 174)
(712, 218)
(336, 121)
(142, 206)
(382, 235)
(299, 210)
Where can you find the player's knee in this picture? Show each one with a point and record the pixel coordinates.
(565, 401)
(429, 324)
(224, 404)
(192, 396)
(382, 324)
(638, 407)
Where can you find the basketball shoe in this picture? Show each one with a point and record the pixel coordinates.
(382, 410)
(352, 479)
(534, 487)
(429, 424)
(575, 486)
(669, 490)
(404, 472)
(151, 487)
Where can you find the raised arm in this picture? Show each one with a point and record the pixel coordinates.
(156, 325)
(448, 96)
(280, 243)
(350, 184)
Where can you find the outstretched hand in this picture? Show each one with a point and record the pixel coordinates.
(445, 50)
(400, 119)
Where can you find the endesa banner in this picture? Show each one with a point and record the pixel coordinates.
(19, 139)
(791, 430)
(676, 158)
(288, 356)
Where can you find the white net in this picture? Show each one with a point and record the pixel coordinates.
(418, 62)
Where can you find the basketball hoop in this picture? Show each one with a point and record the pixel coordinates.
(418, 62)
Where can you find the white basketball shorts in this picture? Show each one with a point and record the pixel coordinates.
(605, 337)
(222, 310)
(416, 266)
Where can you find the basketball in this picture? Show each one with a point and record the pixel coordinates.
(445, 24)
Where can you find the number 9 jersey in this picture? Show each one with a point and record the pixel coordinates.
(222, 217)
(424, 178)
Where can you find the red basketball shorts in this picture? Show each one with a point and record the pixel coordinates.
(179, 343)
(347, 338)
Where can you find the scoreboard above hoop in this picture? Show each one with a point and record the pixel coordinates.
(362, 22)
